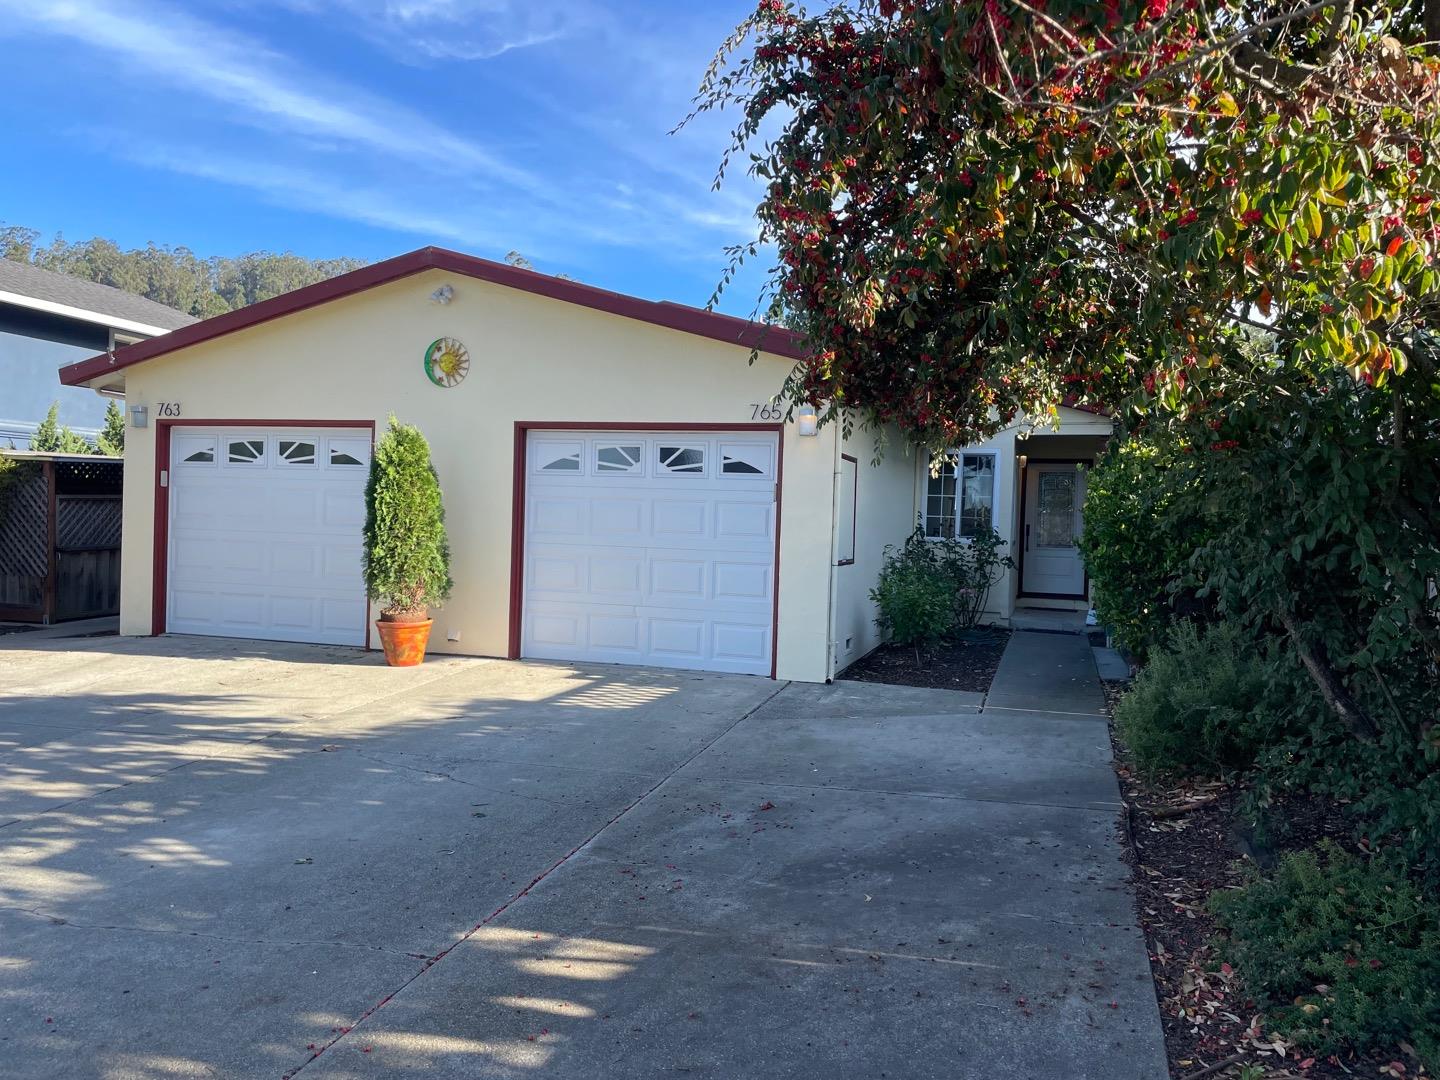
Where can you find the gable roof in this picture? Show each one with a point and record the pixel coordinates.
(689, 320)
(23, 285)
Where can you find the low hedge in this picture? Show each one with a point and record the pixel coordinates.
(1198, 705)
(1340, 950)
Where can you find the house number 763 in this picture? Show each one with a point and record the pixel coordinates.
(168, 408)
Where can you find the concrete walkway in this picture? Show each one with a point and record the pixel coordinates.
(231, 860)
(1047, 673)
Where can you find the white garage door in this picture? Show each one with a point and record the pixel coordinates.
(653, 549)
(265, 533)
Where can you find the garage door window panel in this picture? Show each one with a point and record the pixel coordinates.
(681, 460)
(245, 452)
(619, 458)
(752, 460)
(557, 457)
(295, 451)
(348, 453)
(195, 450)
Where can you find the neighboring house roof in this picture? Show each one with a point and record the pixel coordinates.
(690, 320)
(30, 287)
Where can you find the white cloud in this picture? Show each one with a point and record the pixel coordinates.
(302, 189)
(258, 83)
(416, 30)
(561, 153)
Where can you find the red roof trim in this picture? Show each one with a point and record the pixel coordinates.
(1072, 401)
(689, 320)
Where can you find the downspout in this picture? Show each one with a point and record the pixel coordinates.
(835, 495)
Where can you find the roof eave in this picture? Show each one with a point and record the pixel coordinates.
(68, 311)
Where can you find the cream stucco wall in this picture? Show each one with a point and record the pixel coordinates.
(885, 510)
(532, 359)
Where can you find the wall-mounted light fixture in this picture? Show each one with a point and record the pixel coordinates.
(139, 415)
(443, 295)
(1024, 460)
(806, 420)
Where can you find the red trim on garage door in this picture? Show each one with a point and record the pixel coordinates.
(160, 554)
(517, 507)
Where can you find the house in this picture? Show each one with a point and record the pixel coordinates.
(48, 320)
(618, 486)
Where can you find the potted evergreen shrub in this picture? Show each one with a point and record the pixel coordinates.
(406, 554)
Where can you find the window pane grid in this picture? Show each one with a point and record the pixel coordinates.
(960, 500)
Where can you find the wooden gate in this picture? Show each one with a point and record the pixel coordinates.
(60, 538)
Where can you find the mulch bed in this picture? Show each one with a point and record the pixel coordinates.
(966, 663)
(1179, 854)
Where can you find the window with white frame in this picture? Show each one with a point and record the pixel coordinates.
(960, 499)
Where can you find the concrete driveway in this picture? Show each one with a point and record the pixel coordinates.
(227, 859)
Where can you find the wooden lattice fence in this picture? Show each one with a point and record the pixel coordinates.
(60, 539)
(24, 554)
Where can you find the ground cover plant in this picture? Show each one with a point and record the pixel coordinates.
(1345, 950)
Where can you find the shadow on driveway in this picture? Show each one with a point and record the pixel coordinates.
(292, 860)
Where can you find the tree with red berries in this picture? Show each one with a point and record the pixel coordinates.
(1214, 218)
(983, 208)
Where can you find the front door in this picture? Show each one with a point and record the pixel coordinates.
(1054, 502)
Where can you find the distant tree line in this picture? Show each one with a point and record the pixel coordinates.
(173, 276)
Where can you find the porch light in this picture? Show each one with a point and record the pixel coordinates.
(138, 415)
(1024, 460)
(806, 420)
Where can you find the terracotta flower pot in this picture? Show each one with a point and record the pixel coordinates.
(404, 642)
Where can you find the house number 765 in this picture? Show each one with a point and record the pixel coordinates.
(769, 410)
(169, 408)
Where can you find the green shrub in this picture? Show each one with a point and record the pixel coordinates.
(977, 565)
(915, 596)
(406, 553)
(1339, 951)
(1138, 541)
(1392, 783)
(930, 588)
(1198, 705)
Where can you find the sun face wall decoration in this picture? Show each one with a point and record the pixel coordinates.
(446, 362)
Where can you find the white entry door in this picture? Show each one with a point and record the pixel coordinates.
(654, 548)
(1054, 505)
(265, 533)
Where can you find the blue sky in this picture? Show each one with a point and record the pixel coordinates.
(371, 127)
